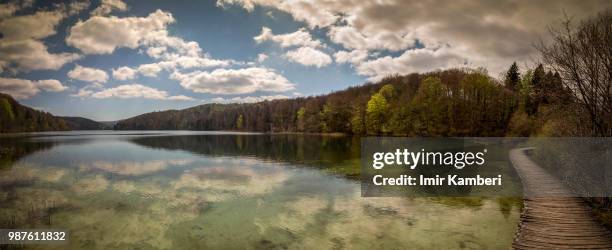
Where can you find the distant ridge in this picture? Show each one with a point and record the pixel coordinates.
(80, 123)
(15, 117)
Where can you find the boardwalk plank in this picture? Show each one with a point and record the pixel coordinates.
(551, 219)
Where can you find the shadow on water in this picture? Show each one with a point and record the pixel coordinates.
(333, 154)
(12, 150)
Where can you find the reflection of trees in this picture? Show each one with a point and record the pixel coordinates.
(316, 150)
(13, 149)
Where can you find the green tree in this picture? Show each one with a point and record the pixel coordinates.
(513, 77)
(388, 91)
(430, 107)
(376, 112)
(301, 120)
(240, 122)
(357, 121)
(6, 109)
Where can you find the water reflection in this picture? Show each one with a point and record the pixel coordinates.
(230, 191)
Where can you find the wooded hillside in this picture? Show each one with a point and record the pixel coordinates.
(15, 117)
(458, 102)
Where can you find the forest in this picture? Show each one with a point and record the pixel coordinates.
(15, 117)
(456, 102)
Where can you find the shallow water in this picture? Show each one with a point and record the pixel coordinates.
(187, 190)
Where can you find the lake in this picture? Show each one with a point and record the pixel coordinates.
(195, 190)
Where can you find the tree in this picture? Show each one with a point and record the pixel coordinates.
(357, 121)
(388, 91)
(582, 56)
(513, 77)
(377, 110)
(431, 107)
(301, 120)
(240, 122)
(6, 110)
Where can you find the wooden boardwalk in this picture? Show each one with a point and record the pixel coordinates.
(551, 219)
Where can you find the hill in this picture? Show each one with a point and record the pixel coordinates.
(457, 102)
(80, 123)
(15, 117)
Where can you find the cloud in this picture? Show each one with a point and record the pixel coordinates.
(492, 34)
(77, 6)
(247, 99)
(88, 90)
(88, 74)
(148, 33)
(189, 62)
(149, 70)
(353, 57)
(172, 64)
(418, 60)
(351, 38)
(314, 13)
(309, 57)
(21, 47)
(51, 85)
(261, 57)
(124, 73)
(102, 35)
(161, 45)
(8, 9)
(137, 91)
(234, 81)
(107, 6)
(24, 89)
(298, 38)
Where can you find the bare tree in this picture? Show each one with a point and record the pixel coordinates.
(583, 57)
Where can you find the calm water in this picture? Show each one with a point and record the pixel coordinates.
(184, 190)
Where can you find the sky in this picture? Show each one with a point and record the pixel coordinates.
(112, 59)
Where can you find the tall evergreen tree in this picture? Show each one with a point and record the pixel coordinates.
(513, 77)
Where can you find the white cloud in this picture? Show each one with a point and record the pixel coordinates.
(148, 33)
(171, 64)
(261, 57)
(234, 81)
(51, 85)
(124, 73)
(353, 57)
(298, 38)
(8, 9)
(149, 70)
(136, 91)
(418, 60)
(102, 35)
(351, 38)
(107, 6)
(88, 74)
(88, 90)
(189, 62)
(492, 34)
(24, 89)
(20, 45)
(76, 7)
(163, 46)
(247, 99)
(180, 98)
(309, 57)
(314, 13)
